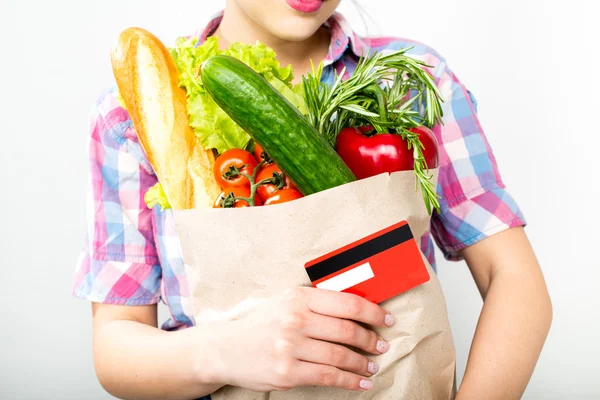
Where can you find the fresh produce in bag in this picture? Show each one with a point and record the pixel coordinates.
(148, 83)
(280, 129)
(238, 256)
(381, 129)
(249, 183)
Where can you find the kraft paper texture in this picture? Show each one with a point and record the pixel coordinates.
(237, 258)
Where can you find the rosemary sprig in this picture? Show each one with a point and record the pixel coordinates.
(410, 99)
(428, 189)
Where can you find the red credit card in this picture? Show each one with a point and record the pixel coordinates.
(377, 267)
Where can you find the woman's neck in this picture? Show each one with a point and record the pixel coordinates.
(236, 26)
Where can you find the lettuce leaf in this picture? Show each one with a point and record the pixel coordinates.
(213, 127)
(156, 195)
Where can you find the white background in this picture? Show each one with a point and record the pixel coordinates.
(532, 64)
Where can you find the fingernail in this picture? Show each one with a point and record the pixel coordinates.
(366, 385)
(382, 346)
(373, 368)
(389, 319)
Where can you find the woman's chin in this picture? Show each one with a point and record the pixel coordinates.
(294, 30)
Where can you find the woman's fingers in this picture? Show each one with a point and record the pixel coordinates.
(335, 355)
(309, 374)
(348, 306)
(344, 331)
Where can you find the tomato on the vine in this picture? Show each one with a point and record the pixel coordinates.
(230, 161)
(239, 191)
(264, 191)
(282, 196)
(260, 154)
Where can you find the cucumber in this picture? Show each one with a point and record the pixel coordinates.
(273, 122)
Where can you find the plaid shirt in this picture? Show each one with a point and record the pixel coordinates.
(132, 256)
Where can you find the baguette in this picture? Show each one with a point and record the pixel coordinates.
(148, 81)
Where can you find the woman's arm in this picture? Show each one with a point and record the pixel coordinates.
(289, 341)
(515, 319)
(136, 360)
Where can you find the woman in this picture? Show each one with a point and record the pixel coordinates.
(296, 339)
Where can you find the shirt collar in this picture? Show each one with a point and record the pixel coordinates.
(343, 38)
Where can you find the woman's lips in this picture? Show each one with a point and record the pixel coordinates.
(306, 6)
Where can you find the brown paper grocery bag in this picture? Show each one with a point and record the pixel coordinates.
(229, 280)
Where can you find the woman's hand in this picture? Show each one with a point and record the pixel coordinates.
(297, 338)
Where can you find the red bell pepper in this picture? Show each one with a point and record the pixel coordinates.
(383, 152)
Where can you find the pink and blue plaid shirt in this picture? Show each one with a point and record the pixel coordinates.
(132, 256)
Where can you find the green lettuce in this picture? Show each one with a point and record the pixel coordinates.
(213, 127)
(156, 195)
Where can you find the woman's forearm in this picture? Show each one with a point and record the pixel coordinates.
(135, 360)
(514, 322)
(291, 340)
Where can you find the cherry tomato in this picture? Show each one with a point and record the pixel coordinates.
(264, 191)
(241, 159)
(283, 196)
(258, 152)
(239, 191)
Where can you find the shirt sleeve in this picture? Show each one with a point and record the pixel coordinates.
(119, 263)
(474, 201)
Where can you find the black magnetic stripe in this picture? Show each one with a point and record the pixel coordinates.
(359, 253)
